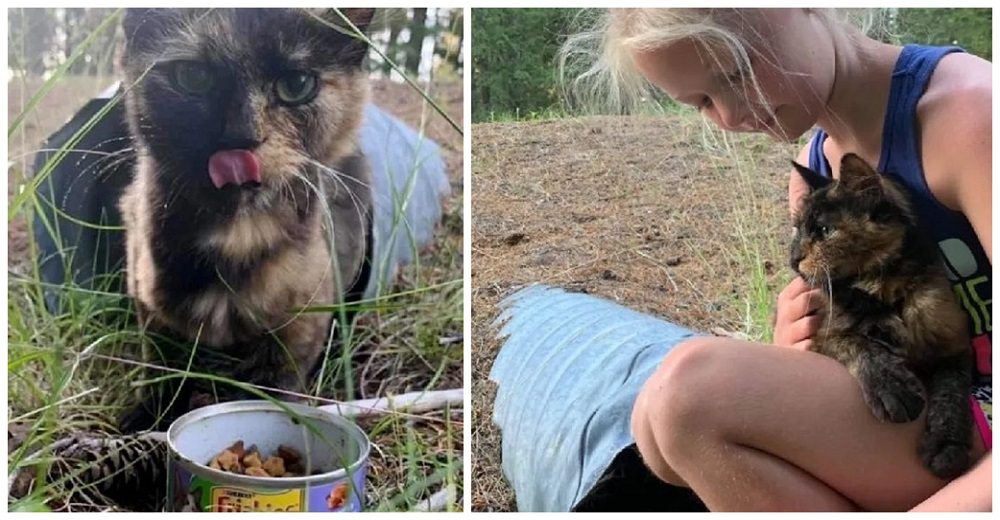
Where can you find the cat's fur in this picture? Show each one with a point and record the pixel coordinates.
(226, 268)
(890, 316)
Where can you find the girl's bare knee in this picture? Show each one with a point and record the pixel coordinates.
(686, 387)
(669, 417)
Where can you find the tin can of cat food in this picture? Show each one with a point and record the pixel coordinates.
(333, 452)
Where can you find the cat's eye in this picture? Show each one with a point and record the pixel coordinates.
(296, 88)
(193, 77)
(826, 231)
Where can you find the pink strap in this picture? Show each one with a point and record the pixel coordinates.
(984, 426)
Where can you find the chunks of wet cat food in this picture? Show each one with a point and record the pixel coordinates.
(285, 462)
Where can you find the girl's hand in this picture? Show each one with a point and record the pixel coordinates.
(795, 322)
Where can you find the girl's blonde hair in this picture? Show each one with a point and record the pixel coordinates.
(597, 72)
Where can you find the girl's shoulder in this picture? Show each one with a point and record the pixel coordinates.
(955, 118)
(960, 80)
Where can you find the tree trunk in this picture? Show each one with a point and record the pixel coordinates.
(458, 27)
(73, 23)
(397, 21)
(418, 29)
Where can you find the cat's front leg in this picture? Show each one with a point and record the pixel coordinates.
(158, 403)
(892, 391)
(945, 445)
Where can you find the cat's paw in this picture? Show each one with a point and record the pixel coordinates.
(946, 442)
(895, 395)
(140, 419)
(151, 414)
(945, 457)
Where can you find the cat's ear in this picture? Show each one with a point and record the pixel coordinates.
(857, 174)
(360, 18)
(353, 50)
(813, 179)
(144, 26)
(866, 183)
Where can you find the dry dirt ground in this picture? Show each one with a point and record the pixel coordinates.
(647, 211)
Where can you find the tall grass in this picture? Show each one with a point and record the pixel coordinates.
(76, 370)
(755, 226)
(656, 107)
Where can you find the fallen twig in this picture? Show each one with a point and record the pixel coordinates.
(719, 331)
(414, 403)
(362, 408)
(438, 501)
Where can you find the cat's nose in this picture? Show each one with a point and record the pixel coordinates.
(240, 131)
(238, 143)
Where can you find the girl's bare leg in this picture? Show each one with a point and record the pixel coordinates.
(764, 428)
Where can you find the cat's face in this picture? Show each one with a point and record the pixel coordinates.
(849, 226)
(232, 104)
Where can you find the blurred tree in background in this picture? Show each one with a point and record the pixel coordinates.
(77, 24)
(969, 28)
(512, 59)
(31, 45)
(514, 73)
(418, 39)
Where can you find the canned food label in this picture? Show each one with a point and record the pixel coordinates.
(234, 500)
(194, 493)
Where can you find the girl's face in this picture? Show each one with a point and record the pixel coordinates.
(793, 67)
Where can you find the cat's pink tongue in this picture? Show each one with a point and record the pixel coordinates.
(233, 166)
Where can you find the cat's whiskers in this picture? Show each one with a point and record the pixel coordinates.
(298, 174)
(114, 162)
(829, 302)
(339, 178)
(100, 167)
(339, 175)
(174, 192)
(286, 192)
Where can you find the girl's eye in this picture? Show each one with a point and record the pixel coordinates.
(741, 72)
(706, 102)
(296, 88)
(193, 77)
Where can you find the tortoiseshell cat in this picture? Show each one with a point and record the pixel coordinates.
(891, 317)
(244, 122)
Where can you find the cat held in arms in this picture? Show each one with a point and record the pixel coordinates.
(890, 316)
(250, 199)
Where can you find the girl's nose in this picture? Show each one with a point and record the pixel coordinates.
(731, 119)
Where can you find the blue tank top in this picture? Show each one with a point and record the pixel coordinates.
(968, 266)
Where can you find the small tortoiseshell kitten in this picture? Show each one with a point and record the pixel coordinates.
(891, 317)
(248, 177)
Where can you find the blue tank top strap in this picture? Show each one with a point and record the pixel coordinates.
(817, 160)
(900, 142)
